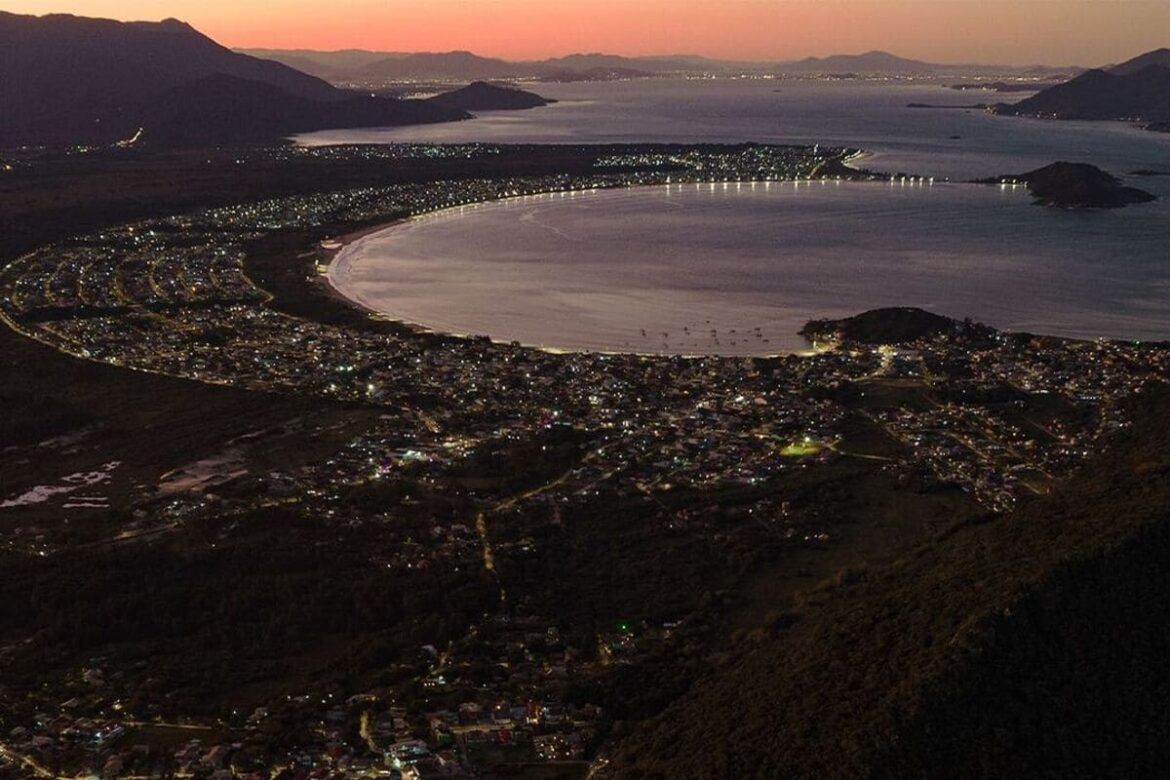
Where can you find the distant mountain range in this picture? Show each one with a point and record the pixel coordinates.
(870, 62)
(373, 68)
(458, 65)
(67, 80)
(1137, 90)
(381, 68)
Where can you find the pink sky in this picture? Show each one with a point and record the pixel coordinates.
(1083, 32)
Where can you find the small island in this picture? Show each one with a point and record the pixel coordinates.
(1076, 185)
(482, 96)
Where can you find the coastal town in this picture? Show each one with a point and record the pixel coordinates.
(476, 455)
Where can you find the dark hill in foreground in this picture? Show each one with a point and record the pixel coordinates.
(68, 80)
(1037, 644)
(223, 110)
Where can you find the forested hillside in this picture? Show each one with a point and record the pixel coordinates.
(1035, 644)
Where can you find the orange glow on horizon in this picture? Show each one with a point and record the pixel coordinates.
(1088, 32)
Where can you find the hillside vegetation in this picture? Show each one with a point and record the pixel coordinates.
(70, 80)
(1035, 644)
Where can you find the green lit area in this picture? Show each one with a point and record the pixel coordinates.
(804, 448)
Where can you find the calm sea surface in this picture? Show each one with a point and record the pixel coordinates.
(677, 269)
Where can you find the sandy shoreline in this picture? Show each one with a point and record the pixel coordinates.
(325, 280)
(857, 156)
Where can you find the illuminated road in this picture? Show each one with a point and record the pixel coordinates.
(489, 561)
(37, 768)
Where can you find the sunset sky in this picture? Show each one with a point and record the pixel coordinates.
(1083, 32)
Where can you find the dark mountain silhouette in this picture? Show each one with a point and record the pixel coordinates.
(466, 66)
(481, 96)
(328, 65)
(1137, 90)
(224, 109)
(455, 65)
(54, 60)
(71, 80)
(1159, 57)
(869, 62)
(380, 68)
(310, 66)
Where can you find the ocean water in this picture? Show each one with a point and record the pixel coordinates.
(870, 115)
(678, 269)
(738, 269)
